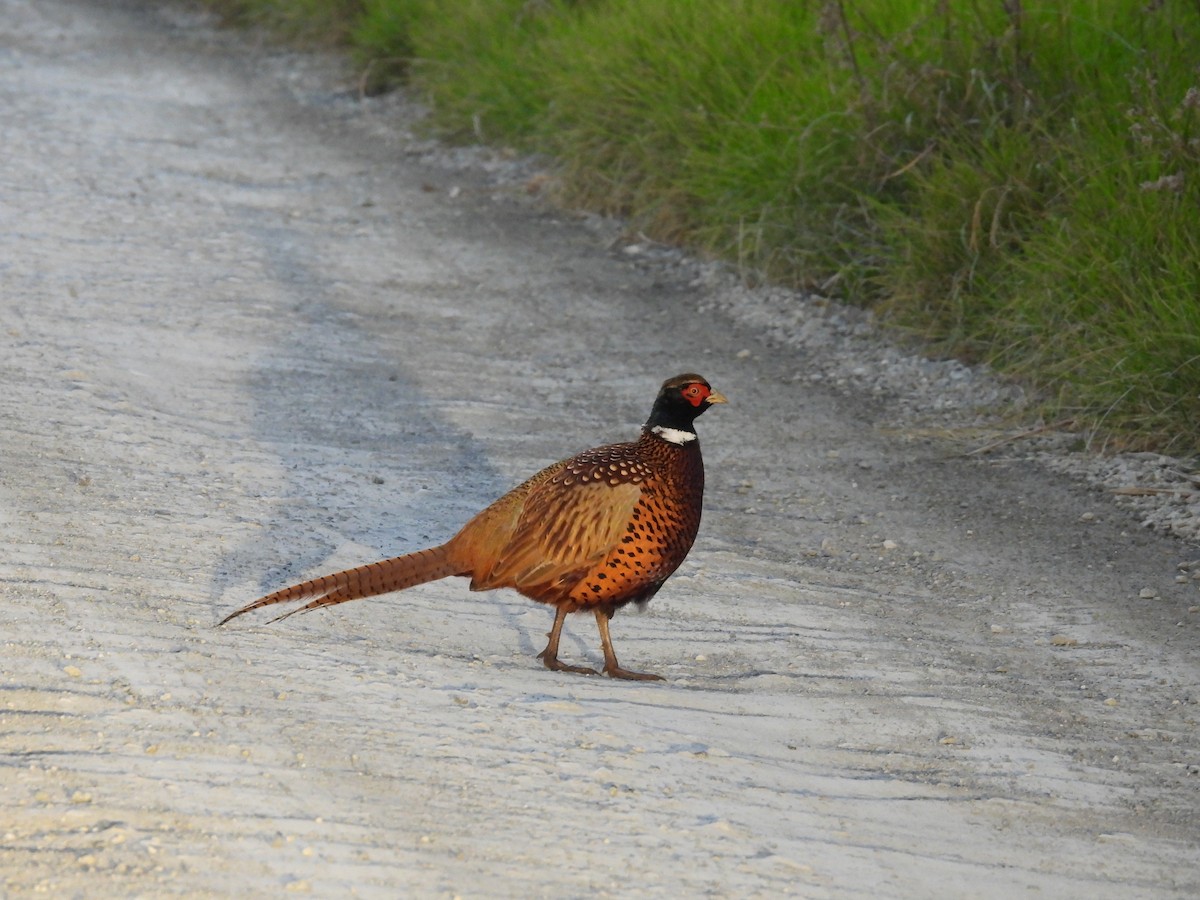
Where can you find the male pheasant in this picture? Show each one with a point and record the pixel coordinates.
(593, 532)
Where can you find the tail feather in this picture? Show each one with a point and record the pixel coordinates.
(381, 577)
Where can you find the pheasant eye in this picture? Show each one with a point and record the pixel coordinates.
(695, 393)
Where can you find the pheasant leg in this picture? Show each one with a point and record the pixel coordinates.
(549, 656)
(611, 667)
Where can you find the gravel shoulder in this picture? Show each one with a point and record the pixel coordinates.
(255, 330)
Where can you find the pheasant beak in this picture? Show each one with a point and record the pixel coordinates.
(716, 397)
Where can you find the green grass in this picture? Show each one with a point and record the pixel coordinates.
(1016, 182)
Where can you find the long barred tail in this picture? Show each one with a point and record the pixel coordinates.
(381, 577)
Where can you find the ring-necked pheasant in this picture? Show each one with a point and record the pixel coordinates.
(593, 532)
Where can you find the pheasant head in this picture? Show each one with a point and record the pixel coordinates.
(680, 400)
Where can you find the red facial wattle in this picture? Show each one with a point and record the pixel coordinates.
(696, 393)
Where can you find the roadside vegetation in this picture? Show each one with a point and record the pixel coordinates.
(1016, 182)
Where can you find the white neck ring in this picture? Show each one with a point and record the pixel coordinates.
(673, 435)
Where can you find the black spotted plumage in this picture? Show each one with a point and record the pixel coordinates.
(594, 532)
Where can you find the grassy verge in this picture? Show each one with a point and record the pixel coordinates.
(1016, 181)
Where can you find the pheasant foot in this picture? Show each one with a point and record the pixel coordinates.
(553, 663)
(618, 672)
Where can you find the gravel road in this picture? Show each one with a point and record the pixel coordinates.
(254, 330)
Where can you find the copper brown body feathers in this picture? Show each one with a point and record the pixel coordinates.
(590, 533)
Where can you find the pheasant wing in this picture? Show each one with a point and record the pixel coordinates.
(566, 527)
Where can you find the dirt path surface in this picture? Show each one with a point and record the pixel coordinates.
(248, 337)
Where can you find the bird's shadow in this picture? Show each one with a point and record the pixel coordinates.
(362, 459)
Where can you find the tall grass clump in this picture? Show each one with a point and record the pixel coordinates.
(475, 59)
(1017, 181)
(1054, 230)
